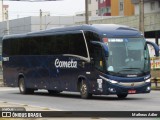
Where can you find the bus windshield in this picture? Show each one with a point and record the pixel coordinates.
(127, 57)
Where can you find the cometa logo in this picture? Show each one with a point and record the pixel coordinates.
(65, 64)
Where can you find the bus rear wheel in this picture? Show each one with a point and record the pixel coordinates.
(22, 87)
(122, 96)
(84, 90)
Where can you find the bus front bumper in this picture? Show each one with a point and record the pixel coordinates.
(128, 88)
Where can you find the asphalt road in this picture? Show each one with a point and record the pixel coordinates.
(72, 101)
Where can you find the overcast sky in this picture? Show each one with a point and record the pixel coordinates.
(56, 8)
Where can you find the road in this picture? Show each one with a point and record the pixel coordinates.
(72, 101)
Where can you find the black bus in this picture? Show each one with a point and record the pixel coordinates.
(90, 59)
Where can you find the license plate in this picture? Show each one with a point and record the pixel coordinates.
(131, 91)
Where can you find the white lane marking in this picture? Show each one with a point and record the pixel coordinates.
(7, 89)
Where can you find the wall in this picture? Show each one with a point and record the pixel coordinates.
(16, 26)
(151, 21)
(30, 24)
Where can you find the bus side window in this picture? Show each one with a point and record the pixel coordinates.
(98, 58)
(91, 36)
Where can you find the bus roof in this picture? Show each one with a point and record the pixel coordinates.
(109, 30)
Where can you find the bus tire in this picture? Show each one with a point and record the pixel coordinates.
(22, 87)
(53, 92)
(84, 90)
(122, 96)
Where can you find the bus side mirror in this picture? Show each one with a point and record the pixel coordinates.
(103, 46)
(106, 51)
(155, 46)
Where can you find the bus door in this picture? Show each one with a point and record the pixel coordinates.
(98, 61)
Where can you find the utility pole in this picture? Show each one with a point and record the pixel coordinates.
(40, 19)
(86, 11)
(2, 12)
(7, 21)
(141, 16)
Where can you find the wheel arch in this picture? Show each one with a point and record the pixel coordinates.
(21, 75)
(80, 78)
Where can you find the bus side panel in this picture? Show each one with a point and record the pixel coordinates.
(34, 69)
(9, 73)
(68, 69)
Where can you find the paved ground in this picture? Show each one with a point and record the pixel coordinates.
(42, 101)
(72, 101)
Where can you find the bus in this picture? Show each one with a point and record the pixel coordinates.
(98, 59)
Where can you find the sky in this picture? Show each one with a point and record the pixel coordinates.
(56, 8)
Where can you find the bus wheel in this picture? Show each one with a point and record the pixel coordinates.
(22, 87)
(53, 92)
(84, 90)
(122, 96)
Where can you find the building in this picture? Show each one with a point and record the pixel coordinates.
(151, 23)
(80, 14)
(109, 8)
(115, 8)
(104, 7)
(93, 7)
(122, 8)
(150, 6)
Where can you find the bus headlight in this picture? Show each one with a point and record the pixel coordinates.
(148, 88)
(113, 81)
(148, 80)
(108, 80)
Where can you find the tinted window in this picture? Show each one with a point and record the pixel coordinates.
(91, 36)
(77, 45)
(47, 45)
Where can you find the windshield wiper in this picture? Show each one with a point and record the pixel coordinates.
(130, 68)
(115, 73)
